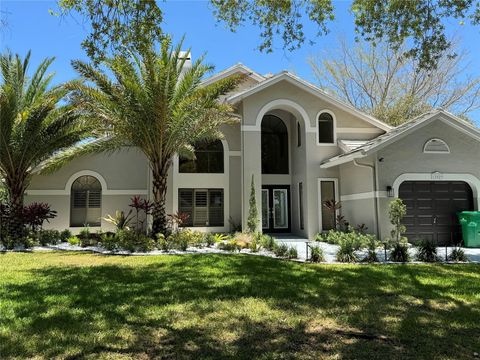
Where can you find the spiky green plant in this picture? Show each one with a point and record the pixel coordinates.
(35, 123)
(252, 221)
(153, 101)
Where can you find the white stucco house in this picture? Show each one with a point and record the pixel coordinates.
(302, 147)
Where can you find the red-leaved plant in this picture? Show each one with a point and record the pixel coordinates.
(35, 214)
(140, 205)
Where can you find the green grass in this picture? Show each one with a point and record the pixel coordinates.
(84, 306)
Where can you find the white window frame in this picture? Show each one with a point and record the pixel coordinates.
(425, 151)
(301, 206)
(320, 201)
(334, 128)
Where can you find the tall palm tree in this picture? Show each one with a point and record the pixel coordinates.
(35, 124)
(151, 100)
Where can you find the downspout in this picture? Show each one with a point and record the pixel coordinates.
(375, 197)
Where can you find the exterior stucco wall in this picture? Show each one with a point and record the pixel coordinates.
(305, 160)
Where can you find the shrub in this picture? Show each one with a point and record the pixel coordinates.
(252, 220)
(244, 240)
(48, 237)
(346, 252)
(397, 211)
(357, 240)
(209, 239)
(163, 243)
(372, 246)
(458, 255)
(319, 237)
(132, 241)
(120, 220)
(254, 246)
(280, 250)
(267, 242)
(109, 241)
(180, 240)
(292, 253)
(35, 214)
(88, 239)
(195, 238)
(399, 253)
(230, 245)
(74, 240)
(220, 237)
(317, 254)
(65, 235)
(427, 251)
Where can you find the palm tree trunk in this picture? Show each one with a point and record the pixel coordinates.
(159, 214)
(14, 220)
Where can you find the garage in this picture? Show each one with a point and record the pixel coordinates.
(432, 208)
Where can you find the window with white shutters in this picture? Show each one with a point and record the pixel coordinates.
(204, 207)
(86, 202)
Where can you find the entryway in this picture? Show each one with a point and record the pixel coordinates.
(432, 208)
(276, 209)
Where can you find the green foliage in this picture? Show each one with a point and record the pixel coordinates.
(230, 245)
(280, 250)
(427, 251)
(219, 237)
(372, 245)
(36, 123)
(48, 237)
(346, 252)
(320, 237)
(209, 239)
(399, 253)
(65, 235)
(397, 211)
(117, 25)
(120, 220)
(358, 240)
(109, 241)
(316, 254)
(234, 226)
(134, 242)
(165, 110)
(458, 255)
(253, 220)
(292, 253)
(267, 242)
(181, 240)
(74, 241)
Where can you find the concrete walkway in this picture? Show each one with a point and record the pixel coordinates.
(330, 250)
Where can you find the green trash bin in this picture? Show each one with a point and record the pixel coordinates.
(470, 222)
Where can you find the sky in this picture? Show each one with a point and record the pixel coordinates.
(31, 27)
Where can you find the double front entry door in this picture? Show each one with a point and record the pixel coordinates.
(275, 208)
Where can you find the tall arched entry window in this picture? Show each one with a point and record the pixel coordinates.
(86, 202)
(274, 146)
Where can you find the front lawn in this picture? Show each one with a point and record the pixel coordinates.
(84, 306)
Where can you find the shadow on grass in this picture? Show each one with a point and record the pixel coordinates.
(242, 307)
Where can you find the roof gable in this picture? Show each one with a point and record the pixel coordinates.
(312, 89)
(232, 70)
(401, 132)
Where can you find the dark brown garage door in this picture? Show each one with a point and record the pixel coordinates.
(432, 207)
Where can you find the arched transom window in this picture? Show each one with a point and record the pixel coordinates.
(86, 202)
(274, 146)
(436, 146)
(208, 159)
(326, 128)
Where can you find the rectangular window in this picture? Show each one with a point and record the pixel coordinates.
(327, 193)
(300, 204)
(204, 207)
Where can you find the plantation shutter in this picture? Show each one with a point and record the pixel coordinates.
(215, 215)
(185, 206)
(201, 208)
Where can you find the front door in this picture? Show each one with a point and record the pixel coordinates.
(275, 208)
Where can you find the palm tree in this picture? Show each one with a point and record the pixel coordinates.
(35, 124)
(152, 101)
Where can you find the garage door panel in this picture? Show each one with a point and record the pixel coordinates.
(432, 207)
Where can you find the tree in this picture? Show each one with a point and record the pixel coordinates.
(252, 221)
(420, 23)
(34, 125)
(384, 83)
(153, 101)
(115, 24)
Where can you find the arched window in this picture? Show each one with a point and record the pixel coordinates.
(326, 128)
(86, 202)
(208, 159)
(274, 146)
(436, 146)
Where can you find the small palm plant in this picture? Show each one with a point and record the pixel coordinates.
(153, 101)
(35, 124)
